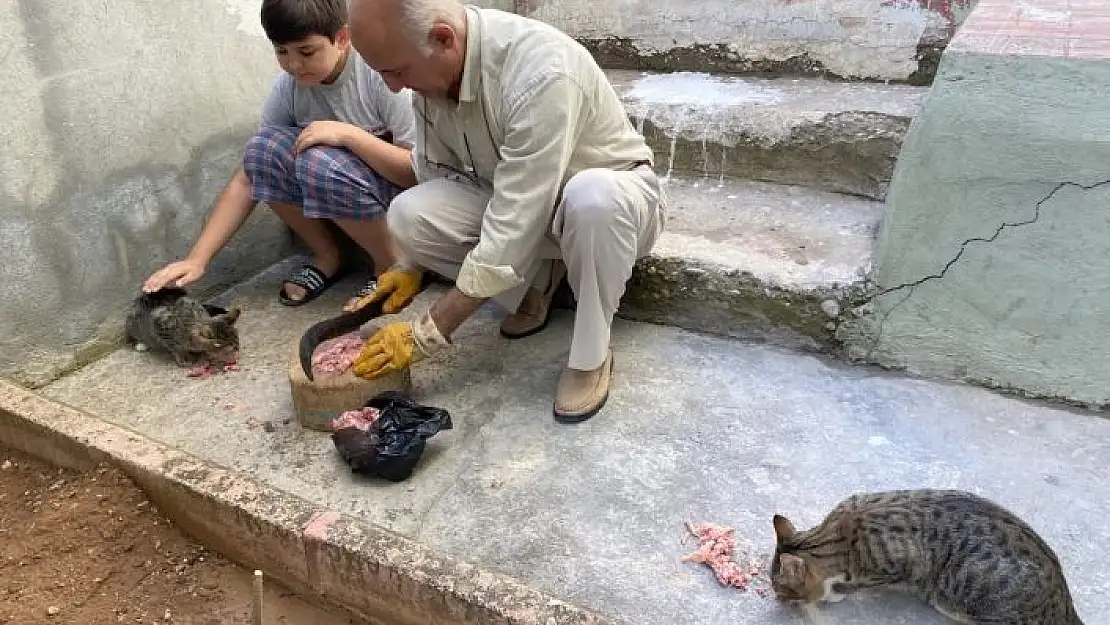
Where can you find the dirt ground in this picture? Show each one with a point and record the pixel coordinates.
(90, 549)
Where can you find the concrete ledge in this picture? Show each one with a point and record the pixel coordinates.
(374, 574)
(991, 263)
(755, 260)
(841, 137)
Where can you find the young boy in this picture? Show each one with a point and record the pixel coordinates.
(334, 143)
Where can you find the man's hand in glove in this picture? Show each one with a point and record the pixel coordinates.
(398, 345)
(400, 283)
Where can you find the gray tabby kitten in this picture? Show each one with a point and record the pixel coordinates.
(970, 559)
(169, 321)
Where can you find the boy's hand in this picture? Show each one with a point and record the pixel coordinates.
(180, 273)
(330, 133)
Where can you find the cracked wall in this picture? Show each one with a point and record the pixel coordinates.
(896, 40)
(993, 261)
(124, 121)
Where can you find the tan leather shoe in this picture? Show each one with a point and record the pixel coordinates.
(535, 309)
(581, 394)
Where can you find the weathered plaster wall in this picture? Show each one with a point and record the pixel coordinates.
(994, 255)
(122, 122)
(866, 39)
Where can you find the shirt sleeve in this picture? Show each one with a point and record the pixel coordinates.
(277, 108)
(541, 130)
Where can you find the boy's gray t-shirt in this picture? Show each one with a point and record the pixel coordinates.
(359, 96)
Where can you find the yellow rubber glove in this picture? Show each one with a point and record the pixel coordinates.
(398, 345)
(400, 283)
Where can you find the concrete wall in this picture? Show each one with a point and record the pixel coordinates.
(995, 251)
(122, 121)
(898, 40)
(125, 118)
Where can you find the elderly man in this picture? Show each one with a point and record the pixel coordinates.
(528, 169)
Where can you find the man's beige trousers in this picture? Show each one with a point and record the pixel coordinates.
(604, 222)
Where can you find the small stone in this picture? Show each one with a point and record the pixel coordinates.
(864, 310)
(831, 308)
(167, 616)
(7, 465)
(53, 610)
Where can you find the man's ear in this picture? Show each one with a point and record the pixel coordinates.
(443, 36)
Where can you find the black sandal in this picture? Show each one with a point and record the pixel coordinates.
(367, 289)
(312, 280)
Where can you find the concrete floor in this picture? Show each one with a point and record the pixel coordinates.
(697, 428)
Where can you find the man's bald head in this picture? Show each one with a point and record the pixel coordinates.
(418, 44)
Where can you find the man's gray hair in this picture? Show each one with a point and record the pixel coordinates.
(419, 16)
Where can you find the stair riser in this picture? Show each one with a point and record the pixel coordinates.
(851, 153)
(621, 53)
(679, 293)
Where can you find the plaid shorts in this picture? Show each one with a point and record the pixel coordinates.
(326, 182)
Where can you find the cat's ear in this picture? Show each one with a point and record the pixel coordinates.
(232, 315)
(792, 566)
(784, 529)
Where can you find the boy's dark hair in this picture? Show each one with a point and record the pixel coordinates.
(286, 21)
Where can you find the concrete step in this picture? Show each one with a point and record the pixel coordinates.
(880, 41)
(842, 137)
(756, 260)
(697, 428)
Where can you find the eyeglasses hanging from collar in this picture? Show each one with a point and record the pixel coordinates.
(471, 170)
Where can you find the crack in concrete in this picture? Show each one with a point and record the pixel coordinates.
(911, 287)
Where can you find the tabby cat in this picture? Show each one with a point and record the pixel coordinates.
(169, 321)
(970, 559)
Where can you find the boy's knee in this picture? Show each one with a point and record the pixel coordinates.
(270, 146)
(317, 168)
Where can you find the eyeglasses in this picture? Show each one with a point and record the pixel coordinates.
(470, 172)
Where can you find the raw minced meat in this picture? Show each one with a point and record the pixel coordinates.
(336, 355)
(718, 545)
(206, 369)
(362, 419)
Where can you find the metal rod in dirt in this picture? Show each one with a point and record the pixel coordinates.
(256, 602)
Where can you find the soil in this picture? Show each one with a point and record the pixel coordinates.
(91, 549)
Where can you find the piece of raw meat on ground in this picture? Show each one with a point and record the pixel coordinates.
(717, 551)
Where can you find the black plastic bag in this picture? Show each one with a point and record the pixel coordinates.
(393, 445)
